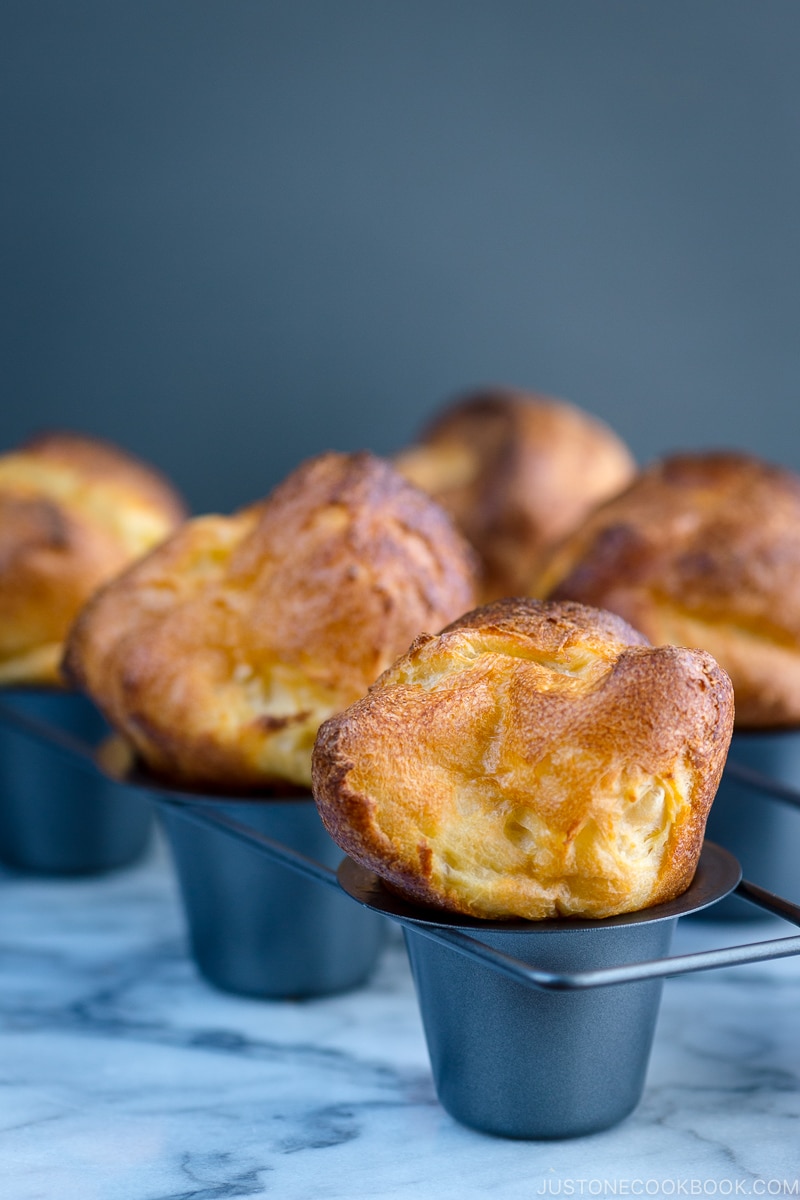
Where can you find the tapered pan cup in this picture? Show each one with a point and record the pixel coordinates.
(257, 927)
(761, 831)
(520, 1062)
(58, 814)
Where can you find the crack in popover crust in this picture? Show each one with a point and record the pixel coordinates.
(516, 471)
(219, 655)
(701, 550)
(532, 760)
(74, 511)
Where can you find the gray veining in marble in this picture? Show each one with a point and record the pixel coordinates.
(123, 1076)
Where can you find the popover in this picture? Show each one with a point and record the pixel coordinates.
(703, 550)
(516, 471)
(219, 654)
(74, 511)
(532, 760)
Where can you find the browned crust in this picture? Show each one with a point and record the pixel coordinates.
(702, 549)
(73, 512)
(219, 654)
(553, 627)
(531, 468)
(465, 730)
(95, 458)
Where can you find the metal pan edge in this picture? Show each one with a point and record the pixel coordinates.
(717, 874)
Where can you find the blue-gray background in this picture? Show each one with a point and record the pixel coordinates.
(235, 234)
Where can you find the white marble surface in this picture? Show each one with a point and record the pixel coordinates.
(123, 1075)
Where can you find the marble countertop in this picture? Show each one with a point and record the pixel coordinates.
(124, 1075)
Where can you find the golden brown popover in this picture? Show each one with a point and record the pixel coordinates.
(533, 760)
(516, 471)
(220, 653)
(702, 550)
(74, 511)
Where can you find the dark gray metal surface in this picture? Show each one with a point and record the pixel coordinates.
(258, 927)
(756, 825)
(535, 1030)
(57, 817)
(533, 1064)
(717, 873)
(525, 1062)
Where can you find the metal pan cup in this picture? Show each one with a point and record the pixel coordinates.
(58, 814)
(760, 830)
(519, 1062)
(257, 927)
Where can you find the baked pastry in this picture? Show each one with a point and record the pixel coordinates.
(702, 550)
(219, 654)
(533, 760)
(516, 471)
(73, 512)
